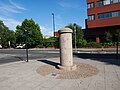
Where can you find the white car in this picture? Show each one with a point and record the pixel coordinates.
(21, 46)
(0, 46)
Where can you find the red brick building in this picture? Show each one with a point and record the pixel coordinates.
(103, 16)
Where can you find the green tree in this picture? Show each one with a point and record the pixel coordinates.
(80, 41)
(117, 34)
(34, 39)
(107, 37)
(6, 35)
(52, 42)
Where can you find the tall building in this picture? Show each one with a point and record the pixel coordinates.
(103, 16)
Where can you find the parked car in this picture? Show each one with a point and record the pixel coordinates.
(0, 46)
(20, 46)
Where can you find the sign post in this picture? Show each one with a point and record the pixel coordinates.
(26, 42)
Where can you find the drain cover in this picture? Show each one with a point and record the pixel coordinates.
(52, 75)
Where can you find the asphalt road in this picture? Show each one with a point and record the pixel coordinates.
(13, 55)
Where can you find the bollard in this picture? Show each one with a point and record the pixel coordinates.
(66, 53)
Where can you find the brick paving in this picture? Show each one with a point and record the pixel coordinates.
(83, 70)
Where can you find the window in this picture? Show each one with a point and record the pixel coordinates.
(115, 1)
(119, 13)
(109, 14)
(100, 16)
(106, 2)
(90, 5)
(91, 17)
(101, 3)
(111, 1)
(115, 14)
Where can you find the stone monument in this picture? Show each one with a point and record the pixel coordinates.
(66, 52)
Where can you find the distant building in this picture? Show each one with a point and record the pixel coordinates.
(46, 37)
(103, 16)
(56, 34)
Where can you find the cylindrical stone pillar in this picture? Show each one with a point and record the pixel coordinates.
(66, 54)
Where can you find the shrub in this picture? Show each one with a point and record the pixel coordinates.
(93, 44)
(81, 43)
(109, 44)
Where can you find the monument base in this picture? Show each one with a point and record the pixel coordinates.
(67, 68)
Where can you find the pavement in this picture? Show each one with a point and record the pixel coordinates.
(24, 76)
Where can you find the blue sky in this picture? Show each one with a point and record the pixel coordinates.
(13, 12)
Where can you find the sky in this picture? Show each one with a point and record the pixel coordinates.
(13, 12)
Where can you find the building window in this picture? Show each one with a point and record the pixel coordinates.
(106, 2)
(91, 17)
(101, 3)
(115, 14)
(109, 14)
(90, 5)
(114, 1)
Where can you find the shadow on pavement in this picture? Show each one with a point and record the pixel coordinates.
(106, 58)
(49, 62)
(9, 59)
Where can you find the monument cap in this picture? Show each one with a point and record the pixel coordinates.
(65, 30)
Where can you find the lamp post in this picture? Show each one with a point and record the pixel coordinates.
(53, 24)
(75, 36)
(117, 48)
(26, 42)
(53, 27)
(0, 40)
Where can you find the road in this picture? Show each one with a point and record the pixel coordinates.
(13, 55)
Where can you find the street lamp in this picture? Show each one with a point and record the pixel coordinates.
(53, 27)
(26, 33)
(75, 35)
(53, 24)
(117, 47)
(0, 40)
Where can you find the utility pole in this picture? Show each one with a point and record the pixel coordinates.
(53, 24)
(26, 33)
(117, 48)
(75, 36)
(53, 27)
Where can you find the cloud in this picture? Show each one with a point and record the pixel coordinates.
(10, 23)
(46, 30)
(7, 9)
(16, 5)
(68, 4)
(10, 7)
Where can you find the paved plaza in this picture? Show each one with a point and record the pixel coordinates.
(24, 76)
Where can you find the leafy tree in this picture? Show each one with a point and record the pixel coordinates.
(107, 37)
(6, 35)
(117, 34)
(80, 41)
(52, 42)
(34, 38)
(49, 42)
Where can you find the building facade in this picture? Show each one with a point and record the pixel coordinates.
(103, 16)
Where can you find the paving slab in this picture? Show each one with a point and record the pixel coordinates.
(23, 76)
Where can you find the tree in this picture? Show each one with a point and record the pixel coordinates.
(34, 39)
(6, 35)
(117, 34)
(80, 41)
(107, 37)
